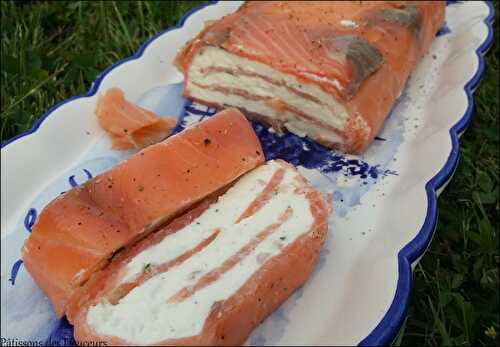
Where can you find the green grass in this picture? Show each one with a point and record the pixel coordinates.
(51, 51)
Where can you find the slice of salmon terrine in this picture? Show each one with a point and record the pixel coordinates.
(212, 275)
(329, 70)
(77, 233)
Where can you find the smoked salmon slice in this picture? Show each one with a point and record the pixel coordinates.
(129, 125)
(329, 70)
(212, 275)
(79, 231)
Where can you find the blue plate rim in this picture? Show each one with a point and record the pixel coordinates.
(387, 329)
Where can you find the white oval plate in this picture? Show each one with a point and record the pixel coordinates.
(384, 201)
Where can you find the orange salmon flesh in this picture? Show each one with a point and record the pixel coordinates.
(129, 125)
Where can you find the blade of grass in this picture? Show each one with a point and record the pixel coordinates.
(35, 87)
(401, 334)
(124, 28)
(445, 338)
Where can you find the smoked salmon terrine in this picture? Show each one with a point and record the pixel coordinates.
(77, 233)
(212, 275)
(329, 70)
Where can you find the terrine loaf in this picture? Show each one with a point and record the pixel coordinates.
(212, 275)
(329, 70)
(77, 233)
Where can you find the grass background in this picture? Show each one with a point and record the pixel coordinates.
(51, 51)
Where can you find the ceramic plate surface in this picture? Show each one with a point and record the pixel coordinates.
(384, 201)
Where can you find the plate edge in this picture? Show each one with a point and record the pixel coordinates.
(387, 329)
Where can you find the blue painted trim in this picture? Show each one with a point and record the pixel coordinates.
(14, 271)
(30, 219)
(72, 181)
(385, 332)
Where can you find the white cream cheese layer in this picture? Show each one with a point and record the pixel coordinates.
(328, 110)
(302, 129)
(294, 124)
(146, 316)
(225, 211)
(348, 23)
